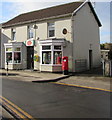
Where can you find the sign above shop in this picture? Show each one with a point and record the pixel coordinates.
(29, 43)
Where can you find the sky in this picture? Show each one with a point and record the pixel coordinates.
(11, 8)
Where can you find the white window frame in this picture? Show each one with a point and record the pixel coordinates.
(6, 55)
(56, 50)
(30, 27)
(13, 54)
(52, 53)
(51, 27)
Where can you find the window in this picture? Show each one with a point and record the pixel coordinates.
(17, 55)
(13, 55)
(57, 54)
(51, 30)
(30, 31)
(46, 57)
(57, 47)
(50, 52)
(13, 34)
(46, 54)
(57, 57)
(46, 47)
(9, 55)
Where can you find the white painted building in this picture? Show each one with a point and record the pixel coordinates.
(38, 40)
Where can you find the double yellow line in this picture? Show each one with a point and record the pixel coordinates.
(15, 110)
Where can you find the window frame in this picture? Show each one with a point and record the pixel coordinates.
(50, 27)
(52, 50)
(17, 52)
(13, 51)
(30, 27)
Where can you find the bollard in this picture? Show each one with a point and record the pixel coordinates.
(7, 69)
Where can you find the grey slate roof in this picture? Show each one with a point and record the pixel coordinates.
(47, 13)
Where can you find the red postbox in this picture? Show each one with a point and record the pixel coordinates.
(65, 65)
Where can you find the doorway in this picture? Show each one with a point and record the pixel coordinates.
(90, 59)
(30, 54)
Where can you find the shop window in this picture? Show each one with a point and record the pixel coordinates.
(57, 47)
(17, 49)
(17, 57)
(46, 47)
(52, 54)
(46, 57)
(8, 49)
(13, 34)
(30, 31)
(9, 57)
(51, 30)
(57, 57)
(13, 55)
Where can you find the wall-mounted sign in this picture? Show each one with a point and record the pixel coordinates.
(29, 43)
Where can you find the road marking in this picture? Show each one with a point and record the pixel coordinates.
(83, 87)
(6, 101)
(13, 110)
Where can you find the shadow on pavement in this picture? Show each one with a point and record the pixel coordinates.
(9, 74)
(89, 73)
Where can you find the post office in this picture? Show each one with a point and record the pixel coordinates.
(38, 40)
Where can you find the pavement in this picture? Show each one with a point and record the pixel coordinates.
(5, 114)
(90, 79)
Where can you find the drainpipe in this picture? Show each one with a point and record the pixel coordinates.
(72, 39)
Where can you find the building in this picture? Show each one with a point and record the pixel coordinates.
(38, 40)
(106, 51)
(0, 46)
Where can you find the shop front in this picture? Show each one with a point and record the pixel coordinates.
(21, 55)
(51, 52)
(14, 55)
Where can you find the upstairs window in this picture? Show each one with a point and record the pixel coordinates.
(13, 34)
(51, 30)
(30, 31)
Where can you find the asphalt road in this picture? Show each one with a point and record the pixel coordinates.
(49, 100)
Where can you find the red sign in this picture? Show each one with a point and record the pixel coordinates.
(30, 43)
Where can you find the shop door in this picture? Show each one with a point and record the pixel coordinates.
(90, 59)
(30, 54)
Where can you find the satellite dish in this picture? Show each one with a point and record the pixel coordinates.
(64, 31)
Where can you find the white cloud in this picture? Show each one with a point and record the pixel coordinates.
(39, 0)
(53, 0)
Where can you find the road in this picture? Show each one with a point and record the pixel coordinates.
(49, 100)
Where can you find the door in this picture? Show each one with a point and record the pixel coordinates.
(90, 59)
(30, 54)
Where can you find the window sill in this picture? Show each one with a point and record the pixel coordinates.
(51, 64)
(13, 63)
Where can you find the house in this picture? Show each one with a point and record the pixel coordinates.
(38, 40)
